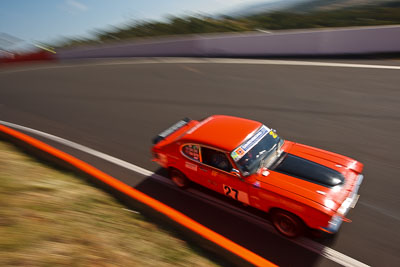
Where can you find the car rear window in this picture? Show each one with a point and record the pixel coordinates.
(191, 151)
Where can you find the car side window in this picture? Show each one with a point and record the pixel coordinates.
(192, 151)
(215, 159)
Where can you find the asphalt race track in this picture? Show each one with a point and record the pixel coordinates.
(116, 107)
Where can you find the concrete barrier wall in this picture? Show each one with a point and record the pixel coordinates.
(322, 42)
(340, 41)
(167, 47)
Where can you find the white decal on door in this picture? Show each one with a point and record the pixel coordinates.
(191, 166)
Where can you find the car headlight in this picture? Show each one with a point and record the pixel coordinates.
(329, 203)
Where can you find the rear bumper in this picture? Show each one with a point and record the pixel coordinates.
(350, 202)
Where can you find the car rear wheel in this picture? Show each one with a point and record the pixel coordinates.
(287, 223)
(179, 179)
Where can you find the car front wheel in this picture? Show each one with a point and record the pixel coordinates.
(287, 223)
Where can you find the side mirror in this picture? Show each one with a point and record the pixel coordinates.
(235, 172)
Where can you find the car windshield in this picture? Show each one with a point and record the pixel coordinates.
(260, 150)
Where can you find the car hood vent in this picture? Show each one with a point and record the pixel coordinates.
(308, 170)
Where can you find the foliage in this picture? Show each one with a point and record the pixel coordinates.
(53, 218)
(369, 15)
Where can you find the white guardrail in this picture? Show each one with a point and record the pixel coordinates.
(337, 41)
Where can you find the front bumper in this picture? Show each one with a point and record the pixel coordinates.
(350, 202)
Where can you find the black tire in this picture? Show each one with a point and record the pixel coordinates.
(287, 223)
(179, 179)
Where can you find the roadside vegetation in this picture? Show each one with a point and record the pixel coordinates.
(52, 218)
(369, 15)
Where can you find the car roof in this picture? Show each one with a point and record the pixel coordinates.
(220, 131)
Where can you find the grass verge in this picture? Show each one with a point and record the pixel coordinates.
(53, 218)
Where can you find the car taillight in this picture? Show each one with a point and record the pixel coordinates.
(156, 156)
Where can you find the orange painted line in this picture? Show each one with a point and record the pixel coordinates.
(149, 201)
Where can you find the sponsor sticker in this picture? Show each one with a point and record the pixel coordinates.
(274, 135)
(234, 155)
(249, 144)
(239, 152)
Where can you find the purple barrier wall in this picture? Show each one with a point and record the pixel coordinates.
(340, 41)
(322, 42)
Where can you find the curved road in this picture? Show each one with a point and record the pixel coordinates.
(116, 107)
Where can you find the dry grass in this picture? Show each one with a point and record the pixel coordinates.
(51, 218)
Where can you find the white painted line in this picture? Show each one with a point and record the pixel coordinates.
(328, 253)
(77, 146)
(320, 249)
(133, 211)
(137, 61)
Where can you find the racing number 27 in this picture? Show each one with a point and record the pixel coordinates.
(231, 192)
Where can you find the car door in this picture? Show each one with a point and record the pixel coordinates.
(218, 176)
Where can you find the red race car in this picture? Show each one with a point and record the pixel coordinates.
(300, 186)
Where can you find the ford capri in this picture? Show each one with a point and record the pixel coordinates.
(300, 186)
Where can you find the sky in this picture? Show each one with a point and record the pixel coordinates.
(50, 20)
